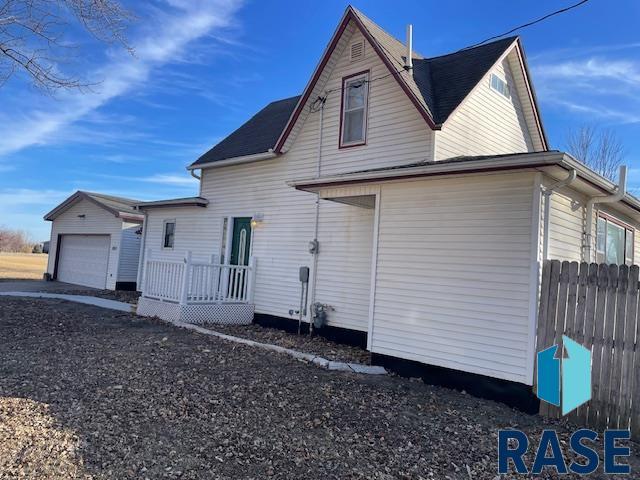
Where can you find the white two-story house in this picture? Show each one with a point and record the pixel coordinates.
(420, 193)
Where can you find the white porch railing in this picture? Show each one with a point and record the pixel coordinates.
(190, 282)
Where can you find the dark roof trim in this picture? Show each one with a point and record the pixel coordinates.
(174, 202)
(348, 16)
(79, 196)
(468, 165)
(532, 94)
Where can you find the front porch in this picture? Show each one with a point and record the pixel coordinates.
(198, 292)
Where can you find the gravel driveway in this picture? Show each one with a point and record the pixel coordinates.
(90, 393)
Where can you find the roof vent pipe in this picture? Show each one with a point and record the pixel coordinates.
(408, 61)
(615, 197)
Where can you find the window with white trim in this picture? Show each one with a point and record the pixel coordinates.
(168, 233)
(614, 242)
(500, 86)
(354, 110)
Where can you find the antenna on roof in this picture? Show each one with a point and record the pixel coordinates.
(408, 61)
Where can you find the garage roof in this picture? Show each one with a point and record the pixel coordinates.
(118, 206)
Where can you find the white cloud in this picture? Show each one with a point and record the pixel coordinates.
(625, 71)
(168, 35)
(12, 198)
(175, 180)
(593, 87)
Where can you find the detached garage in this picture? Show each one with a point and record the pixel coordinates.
(95, 241)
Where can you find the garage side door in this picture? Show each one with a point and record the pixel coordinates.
(84, 260)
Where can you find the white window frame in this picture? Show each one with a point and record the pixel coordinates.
(164, 233)
(503, 82)
(362, 76)
(601, 255)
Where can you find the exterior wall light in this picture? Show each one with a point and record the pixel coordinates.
(256, 220)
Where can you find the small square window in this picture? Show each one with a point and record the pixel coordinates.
(500, 86)
(169, 233)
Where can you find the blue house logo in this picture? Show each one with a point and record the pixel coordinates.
(574, 370)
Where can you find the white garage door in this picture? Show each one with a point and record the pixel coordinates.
(84, 259)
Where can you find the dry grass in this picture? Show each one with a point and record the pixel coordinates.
(22, 266)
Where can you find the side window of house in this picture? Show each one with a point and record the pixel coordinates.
(168, 234)
(355, 93)
(500, 86)
(614, 242)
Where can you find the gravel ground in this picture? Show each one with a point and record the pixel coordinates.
(90, 393)
(119, 295)
(304, 343)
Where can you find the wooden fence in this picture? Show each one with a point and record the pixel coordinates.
(597, 306)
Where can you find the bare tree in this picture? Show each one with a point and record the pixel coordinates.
(601, 150)
(32, 37)
(14, 241)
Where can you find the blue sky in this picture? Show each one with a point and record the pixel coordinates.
(203, 67)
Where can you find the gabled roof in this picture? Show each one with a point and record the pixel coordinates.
(257, 135)
(445, 81)
(174, 202)
(118, 206)
(436, 87)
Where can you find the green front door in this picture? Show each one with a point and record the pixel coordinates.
(241, 241)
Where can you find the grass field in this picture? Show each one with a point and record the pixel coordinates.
(22, 266)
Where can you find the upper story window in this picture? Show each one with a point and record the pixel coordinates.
(355, 93)
(614, 242)
(168, 233)
(500, 86)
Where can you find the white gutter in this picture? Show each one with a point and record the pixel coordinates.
(616, 197)
(235, 160)
(547, 192)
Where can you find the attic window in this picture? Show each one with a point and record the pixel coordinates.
(355, 96)
(500, 86)
(357, 51)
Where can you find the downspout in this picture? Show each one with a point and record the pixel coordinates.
(547, 192)
(616, 197)
(143, 250)
(317, 215)
(193, 174)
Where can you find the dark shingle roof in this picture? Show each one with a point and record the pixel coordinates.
(120, 204)
(257, 135)
(445, 81)
(440, 84)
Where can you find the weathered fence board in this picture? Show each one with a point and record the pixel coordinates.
(597, 306)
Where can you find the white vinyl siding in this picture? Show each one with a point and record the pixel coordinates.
(344, 263)
(453, 275)
(567, 221)
(396, 133)
(129, 252)
(279, 242)
(486, 122)
(96, 220)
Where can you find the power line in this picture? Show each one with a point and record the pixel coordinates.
(549, 15)
(320, 100)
